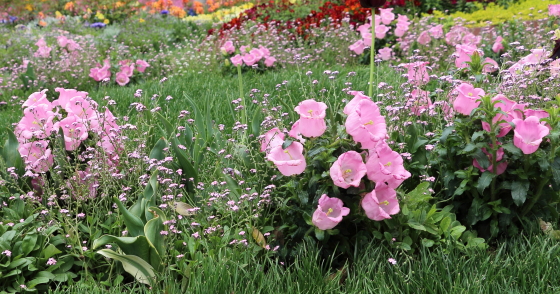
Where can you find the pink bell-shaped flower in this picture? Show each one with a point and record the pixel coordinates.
(329, 212)
(348, 170)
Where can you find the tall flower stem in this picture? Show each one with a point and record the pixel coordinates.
(244, 110)
(372, 53)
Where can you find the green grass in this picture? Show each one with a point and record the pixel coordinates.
(520, 265)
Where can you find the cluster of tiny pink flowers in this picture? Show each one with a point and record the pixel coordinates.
(248, 56)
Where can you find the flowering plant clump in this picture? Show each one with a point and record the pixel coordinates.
(73, 128)
(128, 70)
(341, 179)
(247, 57)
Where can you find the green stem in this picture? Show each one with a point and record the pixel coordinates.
(372, 53)
(537, 195)
(244, 110)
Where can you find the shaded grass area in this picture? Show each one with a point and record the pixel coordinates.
(520, 265)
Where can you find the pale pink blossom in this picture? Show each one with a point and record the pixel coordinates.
(380, 203)
(329, 212)
(528, 134)
(289, 161)
(348, 170)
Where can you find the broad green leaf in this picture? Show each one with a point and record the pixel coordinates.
(10, 153)
(40, 280)
(287, 143)
(50, 251)
(556, 170)
(444, 225)
(157, 151)
(152, 231)
(457, 231)
(484, 181)
(256, 122)
(184, 162)
(416, 225)
(151, 189)
(28, 243)
(519, 192)
(134, 265)
(482, 159)
(137, 246)
(427, 243)
(134, 224)
(319, 234)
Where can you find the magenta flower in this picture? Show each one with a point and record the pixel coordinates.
(141, 65)
(471, 40)
(75, 131)
(37, 156)
(290, 161)
(353, 104)
(417, 72)
(381, 203)
(498, 46)
(381, 31)
(237, 60)
(264, 51)
(228, 47)
(436, 32)
(256, 53)
(37, 98)
(502, 165)
(66, 94)
(122, 78)
(387, 16)
(329, 212)
(348, 170)
(127, 69)
(554, 10)
(419, 102)
(366, 124)
(357, 47)
(271, 139)
(311, 118)
(490, 65)
(249, 59)
(512, 109)
(467, 98)
(269, 61)
(386, 166)
(386, 53)
(528, 134)
(424, 38)
(62, 41)
(464, 54)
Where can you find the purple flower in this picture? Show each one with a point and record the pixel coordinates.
(97, 25)
(164, 12)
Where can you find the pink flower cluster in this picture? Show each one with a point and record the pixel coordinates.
(554, 10)
(73, 113)
(386, 16)
(536, 57)
(382, 165)
(44, 51)
(69, 44)
(248, 56)
(126, 70)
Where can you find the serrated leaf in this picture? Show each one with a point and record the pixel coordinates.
(519, 192)
(484, 181)
(134, 265)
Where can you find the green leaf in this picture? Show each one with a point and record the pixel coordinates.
(50, 251)
(446, 132)
(416, 225)
(151, 189)
(303, 197)
(556, 170)
(28, 244)
(134, 224)
(10, 153)
(457, 231)
(419, 195)
(477, 135)
(287, 143)
(519, 192)
(157, 151)
(256, 122)
(137, 246)
(134, 265)
(152, 232)
(320, 234)
(427, 243)
(512, 149)
(185, 163)
(484, 181)
(167, 128)
(444, 225)
(40, 280)
(482, 159)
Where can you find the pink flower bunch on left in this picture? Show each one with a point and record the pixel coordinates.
(43, 51)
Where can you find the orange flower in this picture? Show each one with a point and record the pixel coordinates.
(177, 12)
(42, 23)
(69, 6)
(41, 15)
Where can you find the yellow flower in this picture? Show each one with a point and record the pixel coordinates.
(119, 4)
(141, 20)
(29, 7)
(106, 21)
(99, 16)
(58, 14)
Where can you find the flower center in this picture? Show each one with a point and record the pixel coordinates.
(369, 123)
(346, 172)
(387, 164)
(470, 93)
(384, 202)
(287, 152)
(329, 211)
